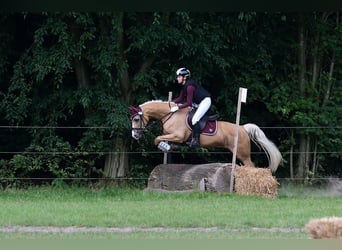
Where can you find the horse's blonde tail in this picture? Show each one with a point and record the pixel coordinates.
(258, 137)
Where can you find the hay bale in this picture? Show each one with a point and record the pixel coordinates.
(255, 181)
(325, 228)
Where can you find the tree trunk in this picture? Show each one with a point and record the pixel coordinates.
(301, 53)
(302, 157)
(186, 177)
(291, 158)
(214, 177)
(314, 159)
(300, 170)
(123, 75)
(330, 81)
(316, 64)
(116, 163)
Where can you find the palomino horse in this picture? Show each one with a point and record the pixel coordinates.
(175, 130)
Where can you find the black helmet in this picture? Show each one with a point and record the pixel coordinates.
(183, 72)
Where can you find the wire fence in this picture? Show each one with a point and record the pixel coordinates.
(107, 127)
(148, 152)
(82, 153)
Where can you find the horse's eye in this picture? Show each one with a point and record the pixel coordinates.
(136, 119)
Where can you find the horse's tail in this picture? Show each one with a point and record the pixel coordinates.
(259, 138)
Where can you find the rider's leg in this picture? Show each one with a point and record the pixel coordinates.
(196, 132)
(203, 107)
(201, 110)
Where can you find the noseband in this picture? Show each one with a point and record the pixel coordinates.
(142, 124)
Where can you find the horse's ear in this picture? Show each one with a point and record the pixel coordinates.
(133, 110)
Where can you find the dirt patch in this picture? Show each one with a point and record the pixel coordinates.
(71, 229)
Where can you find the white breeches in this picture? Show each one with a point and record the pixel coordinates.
(201, 110)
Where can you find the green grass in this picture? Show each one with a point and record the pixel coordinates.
(235, 216)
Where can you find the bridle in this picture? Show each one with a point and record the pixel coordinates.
(143, 122)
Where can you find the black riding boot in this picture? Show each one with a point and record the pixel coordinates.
(196, 132)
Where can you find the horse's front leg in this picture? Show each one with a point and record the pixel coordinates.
(169, 137)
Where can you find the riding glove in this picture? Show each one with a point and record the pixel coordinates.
(174, 109)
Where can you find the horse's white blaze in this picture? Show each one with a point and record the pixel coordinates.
(135, 135)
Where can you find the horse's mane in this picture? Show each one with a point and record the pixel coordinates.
(152, 101)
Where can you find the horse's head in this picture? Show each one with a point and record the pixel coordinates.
(141, 115)
(138, 122)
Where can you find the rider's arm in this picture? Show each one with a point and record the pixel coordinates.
(179, 98)
(189, 95)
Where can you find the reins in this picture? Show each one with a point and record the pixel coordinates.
(145, 125)
(170, 114)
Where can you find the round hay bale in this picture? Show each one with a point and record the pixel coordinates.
(325, 228)
(255, 181)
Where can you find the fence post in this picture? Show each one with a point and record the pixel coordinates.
(241, 98)
(165, 153)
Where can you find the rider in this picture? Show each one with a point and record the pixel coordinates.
(197, 97)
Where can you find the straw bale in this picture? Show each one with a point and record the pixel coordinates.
(255, 181)
(325, 228)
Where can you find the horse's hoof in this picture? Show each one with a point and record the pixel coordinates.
(164, 146)
(195, 144)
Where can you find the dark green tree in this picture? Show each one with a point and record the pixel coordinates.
(84, 69)
(310, 96)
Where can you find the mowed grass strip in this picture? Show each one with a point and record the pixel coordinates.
(135, 208)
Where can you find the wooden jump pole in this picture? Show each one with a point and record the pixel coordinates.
(165, 153)
(241, 98)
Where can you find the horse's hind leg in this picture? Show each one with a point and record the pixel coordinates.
(244, 154)
(247, 162)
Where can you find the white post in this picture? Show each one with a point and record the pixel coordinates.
(241, 98)
(165, 153)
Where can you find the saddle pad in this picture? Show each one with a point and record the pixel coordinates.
(210, 127)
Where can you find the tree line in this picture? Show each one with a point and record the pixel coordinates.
(83, 69)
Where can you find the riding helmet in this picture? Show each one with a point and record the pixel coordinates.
(183, 72)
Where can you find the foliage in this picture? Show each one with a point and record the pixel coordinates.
(80, 69)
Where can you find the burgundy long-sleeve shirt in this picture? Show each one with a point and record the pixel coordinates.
(190, 90)
(193, 92)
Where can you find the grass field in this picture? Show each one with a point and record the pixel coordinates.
(80, 213)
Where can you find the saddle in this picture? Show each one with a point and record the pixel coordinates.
(208, 123)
